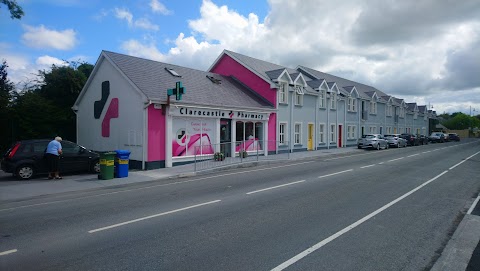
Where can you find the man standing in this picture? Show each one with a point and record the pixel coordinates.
(54, 149)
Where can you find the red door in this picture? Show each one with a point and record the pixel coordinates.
(339, 136)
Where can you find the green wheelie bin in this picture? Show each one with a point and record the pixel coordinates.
(107, 165)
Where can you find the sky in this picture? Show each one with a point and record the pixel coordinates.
(423, 51)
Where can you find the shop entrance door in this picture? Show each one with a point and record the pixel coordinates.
(226, 137)
(310, 137)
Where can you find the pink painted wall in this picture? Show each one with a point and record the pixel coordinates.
(228, 66)
(156, 134)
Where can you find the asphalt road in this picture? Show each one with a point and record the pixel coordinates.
(378, 210)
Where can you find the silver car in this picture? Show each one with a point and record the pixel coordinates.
(394, 140)
(374, 141)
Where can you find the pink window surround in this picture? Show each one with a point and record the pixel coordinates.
(228, 66)
(156, 134)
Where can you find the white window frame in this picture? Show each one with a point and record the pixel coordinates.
(373, 107)
(283, 93)
(322, 96)
(284, 133)
(299, 95)
(333, 133)
(352, 104)
(297, 134)
(372, 129)
(415, 115)
(389, 110)
(333, 100)
(321, 133)
(388, 130)
(351, 131)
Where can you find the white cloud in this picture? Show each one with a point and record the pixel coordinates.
(143, 23)
(124, 14)
(158, 7)
(41, 37)
(48, 61)
(146, 24)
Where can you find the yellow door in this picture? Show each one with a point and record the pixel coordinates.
(310, 137)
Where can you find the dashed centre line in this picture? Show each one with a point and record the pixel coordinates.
(152, 216)
(340, 172)
(8, 252)
(413, 155)
(396, 159)
(368, 166)
(273, 187)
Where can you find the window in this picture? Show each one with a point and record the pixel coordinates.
(372, 130)
(351, 131)
(415, 115)
(389, 130)
(402, 112)
(389, 110)
(282, 94)
(299, 95)
(373, 107)
(333, 100)
(322, 98)
(352, 104)
(321, 133)
(282, 133)
(70, 148)
(298, 133)
(332, 133)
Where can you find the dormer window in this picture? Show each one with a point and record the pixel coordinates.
(299, 95)
(389, 110)
(322, 96)
(373, 107)
(282, 93)
(352, 104)
(333, 100)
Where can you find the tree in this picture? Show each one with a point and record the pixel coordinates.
(16, 11)
(6, 91)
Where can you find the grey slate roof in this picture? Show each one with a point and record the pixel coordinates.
(411, 106)
(153, 80)
(342, 82)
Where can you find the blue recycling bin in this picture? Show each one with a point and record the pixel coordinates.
(121, 163)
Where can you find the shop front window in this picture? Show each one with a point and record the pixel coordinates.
(248, 136)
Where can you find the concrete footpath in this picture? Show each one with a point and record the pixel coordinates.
(455, 256)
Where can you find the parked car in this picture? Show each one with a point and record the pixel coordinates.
(394, 140)
(453, 137)
(437, 137)
(422, 139)
(447, 139)
(374, 141)
(411, 139)
(25, 159)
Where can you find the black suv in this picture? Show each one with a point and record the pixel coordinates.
(26, 158)
(422, 139)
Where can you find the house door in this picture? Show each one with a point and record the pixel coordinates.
(339, 136)
(310, 137)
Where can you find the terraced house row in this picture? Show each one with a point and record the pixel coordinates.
(167, 114)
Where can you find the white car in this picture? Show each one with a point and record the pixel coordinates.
(394, 140)
(374, 141)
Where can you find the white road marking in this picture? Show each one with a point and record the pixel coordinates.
(381, 163)
(413, 155)
(152, 216)
(328, 175)
(273, 187)
(317, 246)
(464, 160)
(473, 206)
(8, 252)
(368, 166)
(426, 151)
(395, 159)
(152, 186)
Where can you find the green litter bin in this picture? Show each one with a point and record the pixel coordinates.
(107, 162)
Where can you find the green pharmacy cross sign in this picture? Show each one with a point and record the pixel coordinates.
(178, 91)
